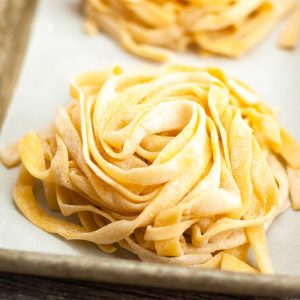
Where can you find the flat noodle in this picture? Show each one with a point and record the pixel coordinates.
(9, 156)
(149, 28)
(294, 183)
(233, 264)
(180, 165)
(290, 34)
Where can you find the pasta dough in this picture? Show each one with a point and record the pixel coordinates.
(178, 165)
(151, 29)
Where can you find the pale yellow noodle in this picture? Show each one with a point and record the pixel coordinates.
(150, 28)
(178, 165)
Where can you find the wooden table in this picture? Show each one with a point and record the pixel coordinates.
(13, 286)
(15, 24)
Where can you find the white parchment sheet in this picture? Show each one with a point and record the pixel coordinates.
(59, 49)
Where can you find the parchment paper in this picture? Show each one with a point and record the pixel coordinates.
(59, 49)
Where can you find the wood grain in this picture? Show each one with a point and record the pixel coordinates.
(13, 286)
(15, 24)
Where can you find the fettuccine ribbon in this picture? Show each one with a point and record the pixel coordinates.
(180, 165)
(151, 29)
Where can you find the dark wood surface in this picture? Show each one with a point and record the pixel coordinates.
(13, 286)
(15, 24)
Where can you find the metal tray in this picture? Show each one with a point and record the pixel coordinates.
(103, 268)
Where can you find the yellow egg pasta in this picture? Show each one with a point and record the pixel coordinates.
(178, 165)
(291, 32)
(150, 29)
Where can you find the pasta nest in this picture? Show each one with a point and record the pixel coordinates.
(180, 165)
(149, 28)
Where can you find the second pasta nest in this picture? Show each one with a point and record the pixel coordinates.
(148, 28)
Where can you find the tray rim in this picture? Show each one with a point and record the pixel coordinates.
(130, 272)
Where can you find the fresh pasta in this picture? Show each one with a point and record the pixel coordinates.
(178, 165)
(150, 29)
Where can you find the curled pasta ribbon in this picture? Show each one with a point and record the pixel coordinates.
(150, 29)
(179, 165)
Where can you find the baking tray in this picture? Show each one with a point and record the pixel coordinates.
(58, 49)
